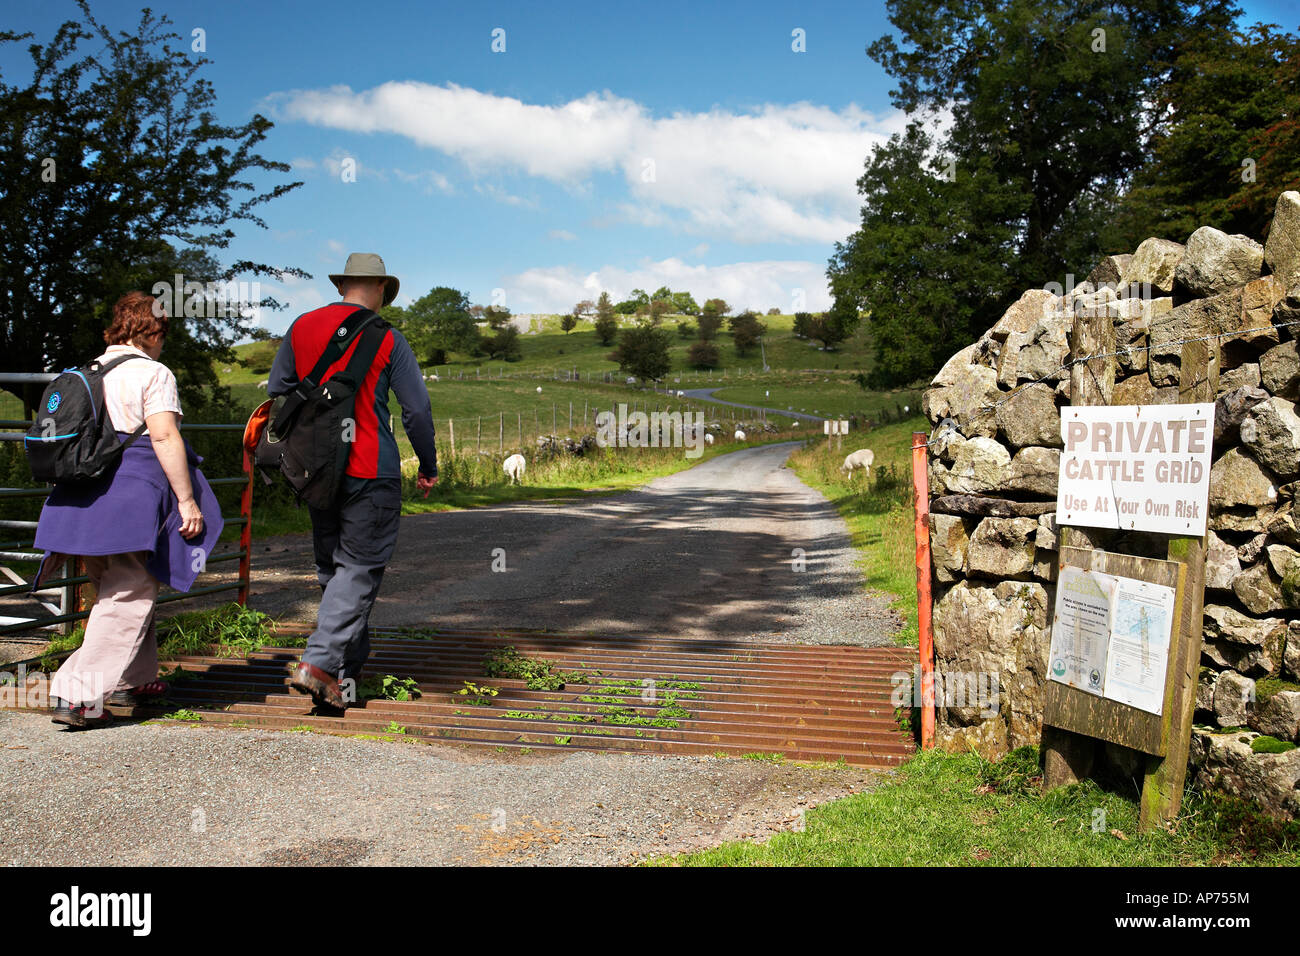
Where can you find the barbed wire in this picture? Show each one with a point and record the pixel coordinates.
(949, 425)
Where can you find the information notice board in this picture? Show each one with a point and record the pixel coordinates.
(1114, 633)
(1111, 635)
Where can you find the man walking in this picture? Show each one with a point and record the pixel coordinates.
(354, 539)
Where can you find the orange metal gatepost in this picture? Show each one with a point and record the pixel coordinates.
(246, 533)
(921, 489)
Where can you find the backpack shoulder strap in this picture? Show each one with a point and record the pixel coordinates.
(348, 330)
(108, 367)
(372, 339)
(355, 324)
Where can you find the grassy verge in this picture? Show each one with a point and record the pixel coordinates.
(878, 510)
(960, 810)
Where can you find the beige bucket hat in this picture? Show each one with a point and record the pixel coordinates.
(367, 265)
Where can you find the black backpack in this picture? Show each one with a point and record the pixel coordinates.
(72, 439)
(310, 431)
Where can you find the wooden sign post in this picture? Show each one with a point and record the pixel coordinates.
(1074, 720)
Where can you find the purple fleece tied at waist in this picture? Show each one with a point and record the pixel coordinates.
(134, 509)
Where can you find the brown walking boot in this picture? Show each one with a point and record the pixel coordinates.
(323, 688)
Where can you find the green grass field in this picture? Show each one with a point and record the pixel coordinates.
(943, 809)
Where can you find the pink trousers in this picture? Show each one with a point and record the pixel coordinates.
(121, 648)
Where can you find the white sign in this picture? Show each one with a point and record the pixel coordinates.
(1142, 467)
(1110, 637)
(1141, 620)
(1081, 628)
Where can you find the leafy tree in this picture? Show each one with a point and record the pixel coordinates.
(928, 263)
(584, 308)
(114, 174)
(643, 351)
(746, 330)
(606, 320)
(1233, 98)
(1049, 101)
(503, 343)
(568, 323)
(684, 303)
(686, 330)
(709, 323)
(774, 311)
(716, 307)
(658, 308)
(702, 355)
(439, 322)
(802, 324)
(833, 327)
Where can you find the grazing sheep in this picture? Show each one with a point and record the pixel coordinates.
(514, 468)
(860, 459)
(708, 439)
(539, 389)
(740, 436)
(265, 382)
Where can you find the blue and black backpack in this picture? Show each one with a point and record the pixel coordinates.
(72, 439)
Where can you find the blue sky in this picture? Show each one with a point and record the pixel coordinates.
(610, 146)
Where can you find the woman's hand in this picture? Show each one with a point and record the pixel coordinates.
(191, 518)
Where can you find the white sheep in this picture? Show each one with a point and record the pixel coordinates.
(862, 458)
(740, 436)
(539, 389)
(708, 439)
(264, 383)
(514, 468)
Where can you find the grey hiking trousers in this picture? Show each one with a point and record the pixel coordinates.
(353, 543)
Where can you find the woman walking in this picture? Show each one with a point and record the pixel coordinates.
(151, 521)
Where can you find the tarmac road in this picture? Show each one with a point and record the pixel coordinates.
(707, 552)
(706, 395)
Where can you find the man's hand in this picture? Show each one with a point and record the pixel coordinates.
(425, 483)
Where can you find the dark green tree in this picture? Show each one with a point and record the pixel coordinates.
(746, 330)
(503, 342)
(643, 351)
(568, 323)
(1049, 102)
(115, 174)
(1230, 145)
(709, 323)
(606, 320)
(929, 263)
(440, 322)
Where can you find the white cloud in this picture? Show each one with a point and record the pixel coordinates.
(742, 284)
(493, 191)
(430, 179)
(776, 172)
(562, 234)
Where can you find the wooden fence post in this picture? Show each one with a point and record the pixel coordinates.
(1162, 787)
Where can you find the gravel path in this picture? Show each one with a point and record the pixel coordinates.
(707, 552)
(706, 395)
(187, 795)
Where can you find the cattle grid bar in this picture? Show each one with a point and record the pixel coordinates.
(69, 585)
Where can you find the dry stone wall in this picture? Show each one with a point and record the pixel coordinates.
(993, 467)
